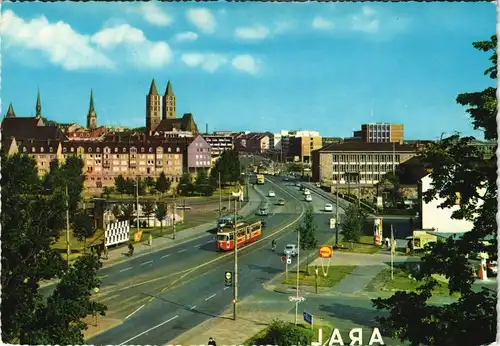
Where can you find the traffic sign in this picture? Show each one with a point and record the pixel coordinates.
(308, 318)
(296, 299)
(326, 251)
(283, 259)
(332, 223)
(228, 279)
(288, 260)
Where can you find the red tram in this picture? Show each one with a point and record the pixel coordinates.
(247, 232)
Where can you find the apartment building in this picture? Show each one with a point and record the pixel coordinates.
(218, 144)
(362, 164)
(301, 148)
(257, 143)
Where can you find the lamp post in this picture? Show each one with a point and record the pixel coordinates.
(68, 248)
(137, 200)
(235, 283)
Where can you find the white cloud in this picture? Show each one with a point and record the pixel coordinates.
(186, 36)
(140, 50)
(281, 27)
(246, 63)
(57, 41)
(65, 47)
(152, 13)
(367, 21)
(209, 62)
(322, 23)
(257, 32)
(202, 18)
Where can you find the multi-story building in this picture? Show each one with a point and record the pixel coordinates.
(331, 140)
(362, 164)
(300, 148)
(196, 153)
(252, 142)
(218, 144)
(378, 133)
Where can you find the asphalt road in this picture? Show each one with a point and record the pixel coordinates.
(176, 302)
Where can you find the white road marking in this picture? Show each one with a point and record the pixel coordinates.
(139, 308)
(208, 241)
(144, 263)
(123, 270)
(104, 276)
(226, 288)
(213, 295)
(150, 300)
(181, 250)
(198, 245)
(165, 256)
(193, 307)
(150, 329)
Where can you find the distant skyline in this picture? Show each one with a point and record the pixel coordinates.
(326, 67)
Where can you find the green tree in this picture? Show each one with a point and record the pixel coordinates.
(31, 222)
(285, 334)
(148, 208)
(149, 182)
(162, 184)
(120, 184)
(390, 187)
(185, 186)
(457, 167)
(127, 212)
(83, 228)
(228, 165)
(107, 191)
(353, 223)
(307, 231)
(161, 213)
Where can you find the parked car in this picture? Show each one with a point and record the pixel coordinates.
(290, 250)
(309, 198)
(281, 201)
(307, 192)
(271, 194)
(328, 207)
(318, 185)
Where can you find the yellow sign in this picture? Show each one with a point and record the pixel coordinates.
(228, 279)
(326, 251)
(137, 236)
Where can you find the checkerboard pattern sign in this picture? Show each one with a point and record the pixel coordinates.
(116, 233)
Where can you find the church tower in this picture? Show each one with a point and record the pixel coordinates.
(152, 108)
(38, 107)
(91, 115)
(10, 112)
(168, 110)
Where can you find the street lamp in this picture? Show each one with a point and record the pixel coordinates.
(137, 201)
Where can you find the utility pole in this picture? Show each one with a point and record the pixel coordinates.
(220, 198)
(173, 217)
(298, 274)
(68, 249)
(137, 200)
(235, 282)
(337, 212)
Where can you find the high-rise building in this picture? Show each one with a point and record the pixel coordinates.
(380, 133)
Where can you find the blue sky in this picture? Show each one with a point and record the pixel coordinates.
(250, 66)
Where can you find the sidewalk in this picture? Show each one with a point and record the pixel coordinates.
(118, 255)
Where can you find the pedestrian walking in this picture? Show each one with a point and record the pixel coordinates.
(211, 342)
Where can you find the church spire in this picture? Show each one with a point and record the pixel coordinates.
(169, 91)
(91, 115)
(38, 107)
(10, 112)
(153, 90)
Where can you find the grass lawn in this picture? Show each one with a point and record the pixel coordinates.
(401, 282)
(335, 275)
(327, 331)
(365, 245)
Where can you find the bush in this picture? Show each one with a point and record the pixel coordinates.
(285, 334)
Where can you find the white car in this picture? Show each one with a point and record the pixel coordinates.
(307, 192)
(290, 250)
(263, 211)
(309, 198)
(328, 207)
(271, 194)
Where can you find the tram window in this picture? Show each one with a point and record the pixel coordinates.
(222, 237)
(231, 237)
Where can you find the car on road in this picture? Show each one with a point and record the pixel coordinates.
(318, 185)
(307, 192)
(263, 211)
(290, 250)
(281, 201)
(271, 194)
(309, 198)
(328, 207)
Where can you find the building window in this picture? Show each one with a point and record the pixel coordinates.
(116, 150)
(24, 149)
(72, 150)
(150, 150)
(65, 150)
(51, 149)
(169, 150)
(89, 150)
(178, 149)
(142, 150)
(124, 150)
(41, 150)
(98, 150)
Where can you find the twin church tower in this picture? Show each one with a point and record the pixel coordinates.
(154, 103)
